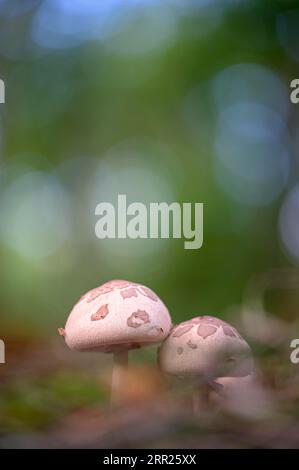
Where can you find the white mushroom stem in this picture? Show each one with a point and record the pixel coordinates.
(119, 374)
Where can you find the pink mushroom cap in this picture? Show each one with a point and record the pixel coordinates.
(119, 315)
(205, 347)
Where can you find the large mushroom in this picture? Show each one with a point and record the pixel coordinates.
(115, 318)
(204, 349)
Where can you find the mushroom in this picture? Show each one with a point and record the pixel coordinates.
(204, 349)
(114, 318)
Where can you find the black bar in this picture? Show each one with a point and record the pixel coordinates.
(130, 458)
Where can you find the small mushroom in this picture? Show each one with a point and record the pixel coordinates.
(203, 349)
(114, 318)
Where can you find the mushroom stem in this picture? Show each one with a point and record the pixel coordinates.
(119, 373)
(200, 398)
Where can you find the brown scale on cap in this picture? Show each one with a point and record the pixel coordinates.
(181, 330)
(95, 293)
(128, 293)
(210, 319)
(138, 318)
(120, 284)
(128, 290)
(191, 345)
(205, 330)
(134, 291)
(148, 293)
(207, 326)
(228, 331)
(206, 319)
(180, 351)
(101, 313)
(105, 289)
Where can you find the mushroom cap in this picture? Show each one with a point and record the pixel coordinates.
(116, 316)
(205, 347)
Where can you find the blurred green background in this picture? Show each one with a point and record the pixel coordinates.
(163, 101)
(170, 100)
